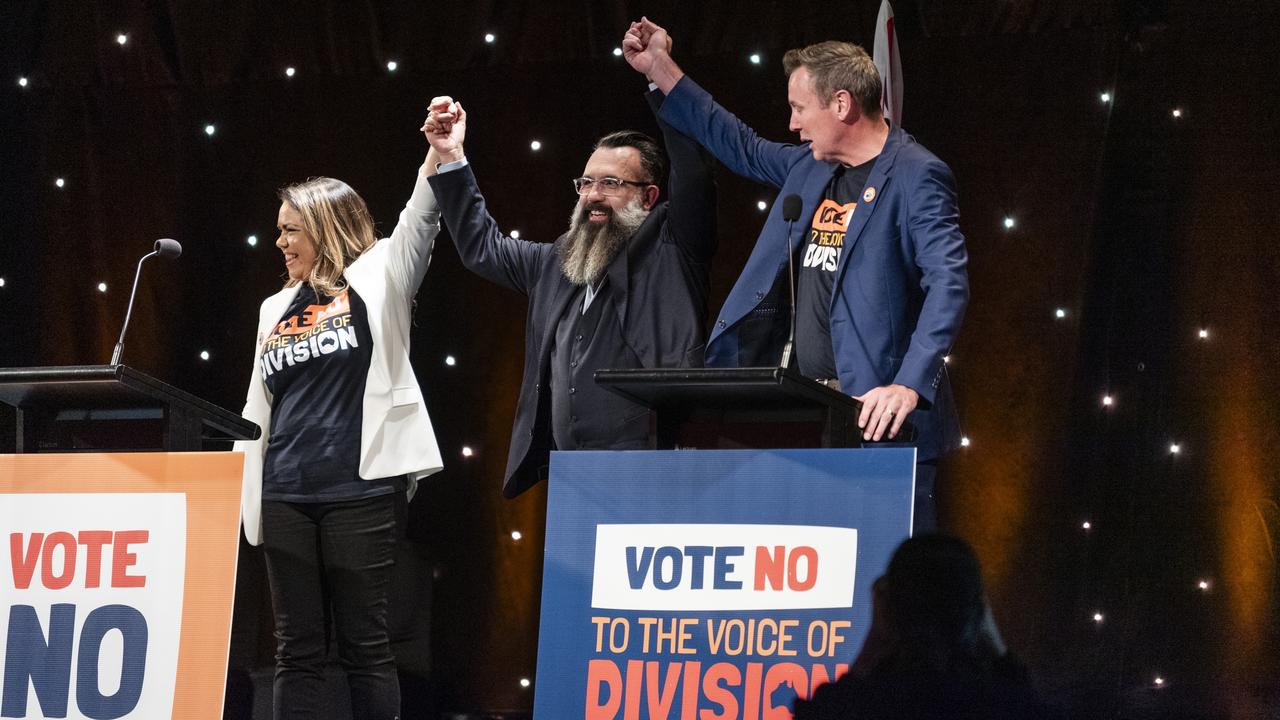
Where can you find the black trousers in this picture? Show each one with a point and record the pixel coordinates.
(325, 561)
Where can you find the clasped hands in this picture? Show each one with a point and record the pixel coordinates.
(445, 128)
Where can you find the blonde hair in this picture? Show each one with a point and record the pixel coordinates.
(835, 66)
(338, 221)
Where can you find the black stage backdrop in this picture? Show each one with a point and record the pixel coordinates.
(1140, 265)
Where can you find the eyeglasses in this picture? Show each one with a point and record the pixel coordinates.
(608, 186)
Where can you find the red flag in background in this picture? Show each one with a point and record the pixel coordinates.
(889, 64)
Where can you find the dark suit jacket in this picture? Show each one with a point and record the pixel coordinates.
(660, 285)
(900, 289)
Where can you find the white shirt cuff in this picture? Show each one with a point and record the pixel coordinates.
(455, 165)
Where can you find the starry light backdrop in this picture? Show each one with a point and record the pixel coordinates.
(1117, 372)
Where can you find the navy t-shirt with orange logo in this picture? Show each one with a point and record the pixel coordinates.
(314, 363)
(819, 257)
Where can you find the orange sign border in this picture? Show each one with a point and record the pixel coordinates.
(211, 482)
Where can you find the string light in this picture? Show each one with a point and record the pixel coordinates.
(946, 359)
(489, 38)
(121, 39)
(1008, 222)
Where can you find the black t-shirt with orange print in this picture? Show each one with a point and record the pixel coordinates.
(314, 363)
(818, 259)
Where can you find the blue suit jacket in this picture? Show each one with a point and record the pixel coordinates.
(900, 290)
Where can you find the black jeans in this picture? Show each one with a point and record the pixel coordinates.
(333, 557)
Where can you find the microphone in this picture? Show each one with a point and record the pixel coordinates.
(790, 213)
(168, 248)
(165, 248)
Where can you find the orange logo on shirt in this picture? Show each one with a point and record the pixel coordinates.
(313, 315)
(831, 216)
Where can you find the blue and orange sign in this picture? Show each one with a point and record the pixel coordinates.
(117, 573)
(711, 584)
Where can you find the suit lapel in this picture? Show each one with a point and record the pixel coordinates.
(870, 199)
(273, 312)
(619, 271)
(564, 292)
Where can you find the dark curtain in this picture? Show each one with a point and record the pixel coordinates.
(1142, 227)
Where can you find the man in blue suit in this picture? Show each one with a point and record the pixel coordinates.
(881, 286)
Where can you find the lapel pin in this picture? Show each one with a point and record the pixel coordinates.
(869, 194)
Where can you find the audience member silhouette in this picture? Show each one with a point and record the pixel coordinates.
(933, 649)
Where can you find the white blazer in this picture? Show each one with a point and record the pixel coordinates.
(396, 437)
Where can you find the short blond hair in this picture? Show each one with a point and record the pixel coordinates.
(834, 65)
(338, 220)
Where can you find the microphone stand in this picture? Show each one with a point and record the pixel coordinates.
(164, 247)
(115, 354)
(790, 213)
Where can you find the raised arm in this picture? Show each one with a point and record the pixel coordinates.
(482, 247)
(690, 110)
(691, 192)
(414, 235)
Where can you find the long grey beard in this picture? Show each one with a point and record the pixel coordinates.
(585, 251)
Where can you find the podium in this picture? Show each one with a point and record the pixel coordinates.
(111, 408)
(699, 583)
(123, 545)
(728, 569)
(731, 408)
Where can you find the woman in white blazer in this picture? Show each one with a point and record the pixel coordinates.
(345, 437)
